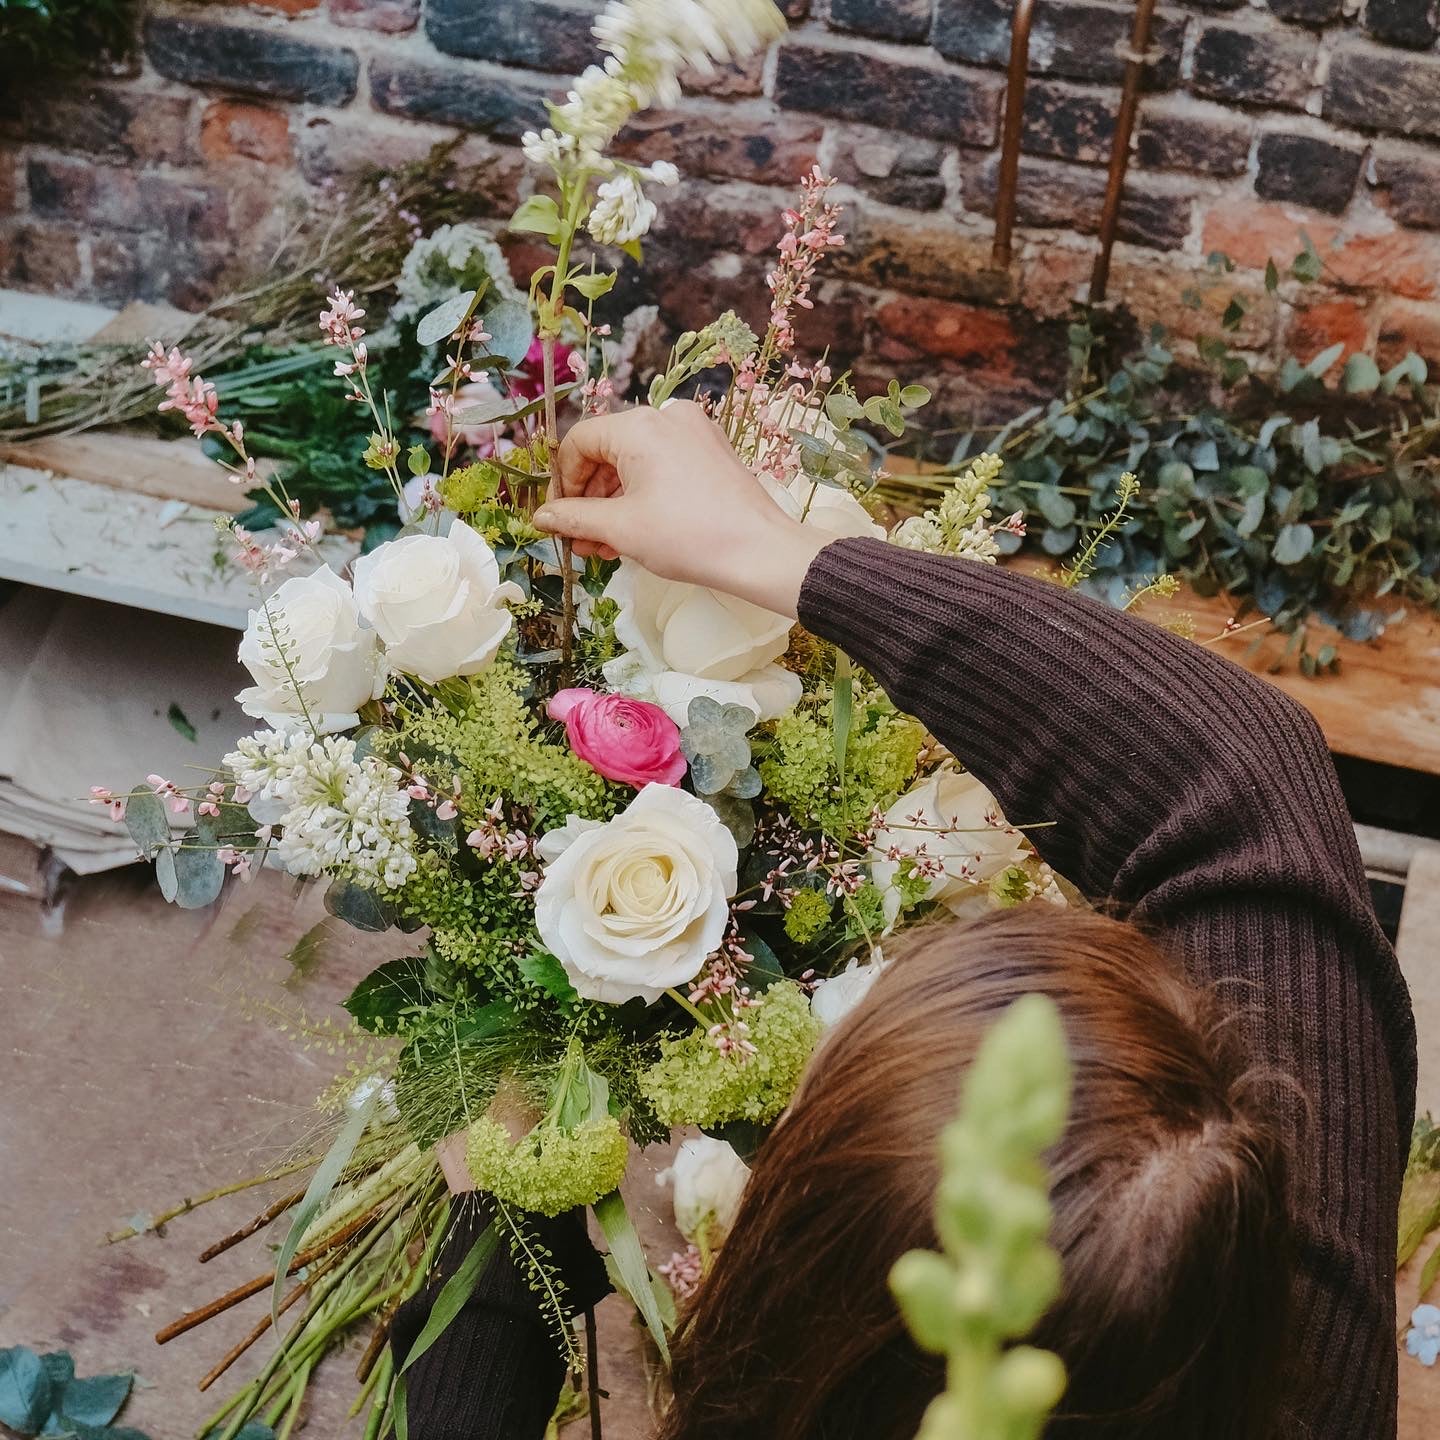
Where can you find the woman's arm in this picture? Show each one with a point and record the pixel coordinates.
(1177, 784)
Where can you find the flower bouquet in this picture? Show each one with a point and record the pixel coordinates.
(648, 838)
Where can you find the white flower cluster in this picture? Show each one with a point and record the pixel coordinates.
(961, 525)
(622, 212)
(454, 257)
(337, 813)
(652, 41)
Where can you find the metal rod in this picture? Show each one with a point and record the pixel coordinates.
(1135, 64)
(1009, 176)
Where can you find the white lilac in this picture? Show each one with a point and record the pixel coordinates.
(337, 813)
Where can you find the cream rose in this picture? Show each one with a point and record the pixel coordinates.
(684, 640)
(309, 634)
(833, 999)
(636, 905)
(829, 509)
(436, 601)
(708, 1182)
(952, 828)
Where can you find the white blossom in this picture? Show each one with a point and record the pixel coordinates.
(655, 40)
(337, 814)
(622, 213)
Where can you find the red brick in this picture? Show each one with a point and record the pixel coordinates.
(9, 179)
(1405, 325)
(1400, 262)
(281, 7)
(231, 129)
(947, 331)
(921, 256)
(1336, 321)
(390, 17)
(1192, 304)
(42, 257)
(1252, 234)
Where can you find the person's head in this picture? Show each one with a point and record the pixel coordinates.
(1167, 1189)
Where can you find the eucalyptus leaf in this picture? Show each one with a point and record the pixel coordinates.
(507, 322)
(199, 874)
(445, 319)
(1058, 509)
(148, 822)
(1253, 514)
(1293, 544)
(358, 907)
(1325, 360)
(1361, 375)
(165, 876)
(95, 1400)
(26, 1392)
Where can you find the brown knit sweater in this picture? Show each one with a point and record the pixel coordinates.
(1202, 799)
(1205, 801)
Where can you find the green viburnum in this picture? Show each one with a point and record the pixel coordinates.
(998, 1274)
(807, 917)
(694, 1084)
(550, 1170)
(798, 768)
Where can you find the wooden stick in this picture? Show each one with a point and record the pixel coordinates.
(234, 1354)
(233, 1297)
(258, 1223)
(377, 1341)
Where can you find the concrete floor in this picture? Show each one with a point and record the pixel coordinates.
(146, 1062)
(143, 1062)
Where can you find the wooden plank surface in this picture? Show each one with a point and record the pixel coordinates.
(1383, 705)
(142, 464)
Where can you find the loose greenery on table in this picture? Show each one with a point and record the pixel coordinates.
(1309, 491)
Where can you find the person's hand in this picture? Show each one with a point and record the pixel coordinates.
(664, 488)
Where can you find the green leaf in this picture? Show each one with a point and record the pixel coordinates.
(1306, 265)
(358, 907)
(912, 397)
(1293, 544)
(1361, 375)
(842, 711)
(1272, 277)
(631, 1266)
(508, 324)
(165, 876)
(592, 287)
(148, 822)
(843, 408)
(383, 997)
(1428, 1274)
(417, 460)
(1253, 514)
(445, 319)
(96, 1400)
(26, 1394)
(180, 722)
(539, 215)
(547, 973)
(1234, 313)
(323, 1181)
(1058, 509)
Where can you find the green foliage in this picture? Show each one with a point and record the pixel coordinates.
(1302, 500)
(40, 1394)
(808, 917)
(1420, 1193)
(491, 738)
(550, 1170)
(62, 34)
(799, 770)
(694, 1084)
(997, 1274)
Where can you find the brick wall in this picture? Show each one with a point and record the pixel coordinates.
(1258, 121)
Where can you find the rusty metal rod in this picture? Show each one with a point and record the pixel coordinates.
(1135, 64)
(1009, 175)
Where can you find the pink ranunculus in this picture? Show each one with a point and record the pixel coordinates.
(529, 380)
(629, 741)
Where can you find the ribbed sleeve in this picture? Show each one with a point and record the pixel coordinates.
(1204, 800)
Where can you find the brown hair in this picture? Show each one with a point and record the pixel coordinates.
(1167, 1189)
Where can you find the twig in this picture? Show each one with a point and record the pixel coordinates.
(232, 1298)
(567, 576)
(268, 1214)
(232, 1355)
(592, 1372)
(187, 1205)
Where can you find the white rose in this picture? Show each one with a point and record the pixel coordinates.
(309, 634)
(436, 601)
(950, 824)
(709, 1181)
(635, 906)
(829, 509)
(684, 640)
(833, 999)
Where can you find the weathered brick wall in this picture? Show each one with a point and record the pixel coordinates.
(1258, 120)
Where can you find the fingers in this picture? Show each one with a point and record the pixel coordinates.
(593, 448)
(596, 525)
